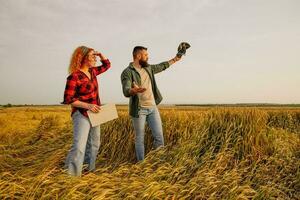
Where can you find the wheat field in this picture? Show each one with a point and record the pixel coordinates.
(210, 153)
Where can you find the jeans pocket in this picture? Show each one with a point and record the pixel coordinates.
(144, 111)
(75, 114)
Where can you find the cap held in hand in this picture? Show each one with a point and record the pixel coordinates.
(183, 46)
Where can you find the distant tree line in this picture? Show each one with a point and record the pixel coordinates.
(8, 105)
(11, 105)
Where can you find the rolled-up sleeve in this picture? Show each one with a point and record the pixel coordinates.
(104, 67)
(70, 90)
(160, 67)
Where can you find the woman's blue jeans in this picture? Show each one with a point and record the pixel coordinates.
(152, 117)
(86, 143)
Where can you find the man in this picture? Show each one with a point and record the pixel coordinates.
(139, 85)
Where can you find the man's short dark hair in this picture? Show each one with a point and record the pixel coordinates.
(138, 49)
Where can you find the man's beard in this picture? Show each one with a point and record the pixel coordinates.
(143, 63)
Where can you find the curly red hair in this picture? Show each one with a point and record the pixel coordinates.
(78, 57)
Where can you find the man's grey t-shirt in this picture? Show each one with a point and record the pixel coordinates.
(146, 99)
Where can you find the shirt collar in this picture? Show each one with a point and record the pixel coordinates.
(131, 65)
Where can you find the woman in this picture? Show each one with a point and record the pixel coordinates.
(81, 93)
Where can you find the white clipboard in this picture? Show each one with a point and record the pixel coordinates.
(107, 113)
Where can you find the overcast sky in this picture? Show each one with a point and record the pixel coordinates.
(241, 51)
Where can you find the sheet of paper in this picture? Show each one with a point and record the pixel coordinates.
(107, 113)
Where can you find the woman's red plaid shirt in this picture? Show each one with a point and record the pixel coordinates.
(80, 87)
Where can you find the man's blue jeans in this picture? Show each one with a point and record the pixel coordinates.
(86, 143)
(152, 117)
